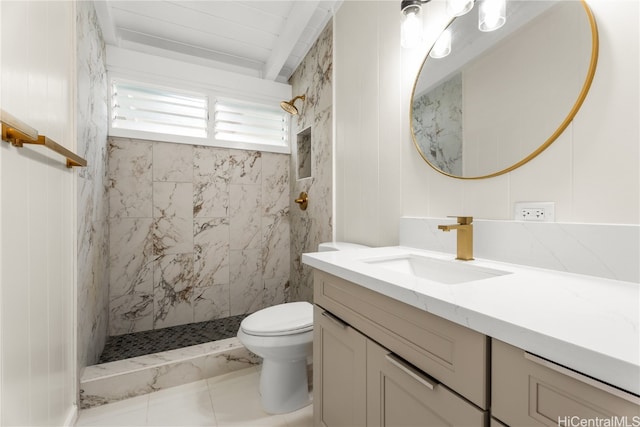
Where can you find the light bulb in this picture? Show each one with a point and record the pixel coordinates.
(411, 27)
(459, 7)
(442, 46)
(492, 15)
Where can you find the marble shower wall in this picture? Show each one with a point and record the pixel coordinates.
(93, 202)
(437, 124)
(196, 233)
(313, 77)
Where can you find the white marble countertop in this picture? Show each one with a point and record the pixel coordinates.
(586, 323)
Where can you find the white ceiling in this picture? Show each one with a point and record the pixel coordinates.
(262, 38)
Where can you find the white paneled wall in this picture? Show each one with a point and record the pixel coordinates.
(367, 122)
(591, 172)
(37, 217)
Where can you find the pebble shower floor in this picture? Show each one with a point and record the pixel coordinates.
(148, 342)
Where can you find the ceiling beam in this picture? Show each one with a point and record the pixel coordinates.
(109, 31)
(298, 19)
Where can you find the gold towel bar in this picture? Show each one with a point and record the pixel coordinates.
(19, 133)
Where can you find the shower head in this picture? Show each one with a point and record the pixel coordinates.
(289, 107)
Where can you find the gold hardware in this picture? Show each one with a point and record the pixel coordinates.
(303, 201)
(289, 107)
(464, 237)
(18, 133)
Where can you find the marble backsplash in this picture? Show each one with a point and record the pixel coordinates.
(310, 227)
(611, 251)
(93, 201)
(196, 233)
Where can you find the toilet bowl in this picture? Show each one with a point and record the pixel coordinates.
(283, 336)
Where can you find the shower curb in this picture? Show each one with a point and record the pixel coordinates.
(123, 379)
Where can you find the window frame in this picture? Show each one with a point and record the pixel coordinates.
(210, 139)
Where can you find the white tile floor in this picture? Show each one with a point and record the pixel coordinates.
(227, 400)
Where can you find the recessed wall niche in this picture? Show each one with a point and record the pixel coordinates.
(303, 142)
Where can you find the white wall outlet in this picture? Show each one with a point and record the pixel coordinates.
(535, 211)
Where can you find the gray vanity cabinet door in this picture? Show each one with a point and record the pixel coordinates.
(529, 391)
(339, 377)
(399, 395)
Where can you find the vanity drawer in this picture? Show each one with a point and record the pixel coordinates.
(530, 391)
(399, 395)
(454, 355)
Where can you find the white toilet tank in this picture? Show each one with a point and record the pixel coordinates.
(339, 246)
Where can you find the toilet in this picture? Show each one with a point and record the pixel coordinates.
(283, 336)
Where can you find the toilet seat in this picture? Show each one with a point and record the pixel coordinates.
(280, 320)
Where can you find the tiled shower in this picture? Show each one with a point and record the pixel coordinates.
(196, 233)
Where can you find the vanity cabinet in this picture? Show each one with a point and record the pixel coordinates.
(339, 372)
(380, 362)
(530, 391)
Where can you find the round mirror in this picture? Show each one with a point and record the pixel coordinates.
(500, 98)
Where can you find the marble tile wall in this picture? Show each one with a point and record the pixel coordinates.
(437, 124)
(313, 77)
(196, 233)
(93, 208)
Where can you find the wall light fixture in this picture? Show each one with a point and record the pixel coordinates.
(442, 46)
(411, 27)
(492, 15)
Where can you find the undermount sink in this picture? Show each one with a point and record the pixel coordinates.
(437, 270)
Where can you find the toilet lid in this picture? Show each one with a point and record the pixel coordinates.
(282, 319)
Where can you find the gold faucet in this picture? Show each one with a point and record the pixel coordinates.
(465, 236)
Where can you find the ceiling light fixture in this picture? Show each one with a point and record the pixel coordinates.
(411, 26)
(492, 15)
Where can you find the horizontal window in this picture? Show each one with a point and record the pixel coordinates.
(250, 123)
(151, 109)
(140, 110)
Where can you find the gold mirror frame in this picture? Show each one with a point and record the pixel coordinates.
(563, 125)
